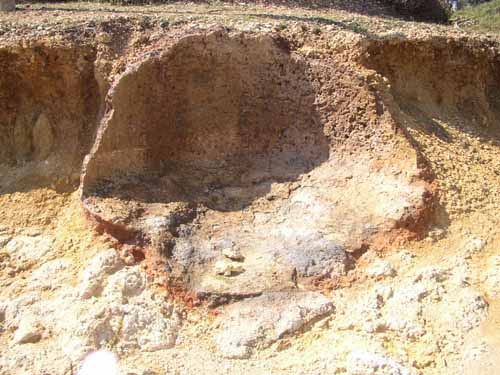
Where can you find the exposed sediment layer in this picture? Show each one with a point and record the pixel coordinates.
(229, 143)
(447, 97)
(235, 162)
(49, 101)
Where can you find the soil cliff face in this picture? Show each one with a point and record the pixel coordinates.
(49, 102)
(447, 97)
(333, 184)
(239, 129)
(442, 78)
(228, 127)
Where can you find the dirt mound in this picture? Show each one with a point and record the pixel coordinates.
(226, 158)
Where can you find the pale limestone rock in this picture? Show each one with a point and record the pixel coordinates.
(14, 310)
(260, 321)
(105, 263)
(381, 269)
(122, 313)
(364, 362)
(24, 251)
(30, 330)
(145, 326)
(128, 282)
(49, 276)
(223, 267)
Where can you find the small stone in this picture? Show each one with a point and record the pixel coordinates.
(103, 264)
(436, 234)
(233, 254)
(223, 267)
(474, 246)
(128, 282)
(4, 240)
(380, 269)
(313, 255)
(29, 331)
(229, 250)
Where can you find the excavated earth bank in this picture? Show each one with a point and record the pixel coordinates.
(49, 101)
(236, 165)
(243, 166)
(268, 168)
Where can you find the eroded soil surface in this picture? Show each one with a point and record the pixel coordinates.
(247, 189)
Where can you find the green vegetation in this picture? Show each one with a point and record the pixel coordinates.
(484, 17)
(281, 26)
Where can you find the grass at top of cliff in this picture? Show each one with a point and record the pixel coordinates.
(484, 17)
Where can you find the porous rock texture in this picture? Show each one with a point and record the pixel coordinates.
(290, 171)
(232, 139)
(443, 113)
(110, 307)
(461, 93)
